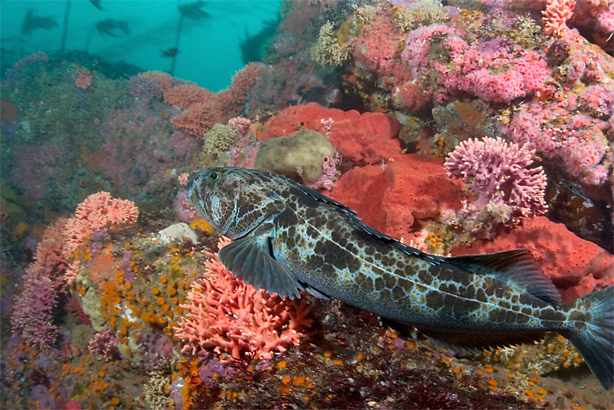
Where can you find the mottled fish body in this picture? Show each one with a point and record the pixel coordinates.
(290, 238)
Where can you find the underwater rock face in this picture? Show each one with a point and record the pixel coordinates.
(300, 155)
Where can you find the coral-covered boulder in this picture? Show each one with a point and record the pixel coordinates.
(576, 266)
(395, 198)
(363, 139)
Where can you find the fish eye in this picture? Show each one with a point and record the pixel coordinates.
(214, 176)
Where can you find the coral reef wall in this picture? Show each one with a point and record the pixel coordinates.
(470, 127)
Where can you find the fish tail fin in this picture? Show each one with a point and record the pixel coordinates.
(595, 340)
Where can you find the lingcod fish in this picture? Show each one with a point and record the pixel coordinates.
(288, 238)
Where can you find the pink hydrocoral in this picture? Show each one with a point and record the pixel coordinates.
(185, 95)
(49, 254)
(556, 15)
(230, 316)
(33, 311)
(72, 271)
(43, 279)
(199, 117)
(96, 212)
(164, 79)
(84, 80)
(104, 345)
(499, 174)
(232, 99)
(13, 73)
(73, 306)
(203, 108)
(101, 210)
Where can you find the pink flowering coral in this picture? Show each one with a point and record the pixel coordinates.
(230, 316)
(498, 173)
(98, 211)
(497, 70)
(578, 144)
(183, 178)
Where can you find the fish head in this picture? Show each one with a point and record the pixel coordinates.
(234, 201)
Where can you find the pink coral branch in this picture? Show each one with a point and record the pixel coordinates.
(556, 15)
(499, 174)
(104, 345)
(96, 212)
(34, 310)
(230, 316)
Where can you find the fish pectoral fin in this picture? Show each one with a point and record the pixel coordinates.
(517, 267)
(250, 259)
(466, 343)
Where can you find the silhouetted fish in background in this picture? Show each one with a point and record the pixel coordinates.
(96, 4)
(32, 22)
(171, 52)
(109, 25)
(193, 10)
(290, 238)
(252, 46)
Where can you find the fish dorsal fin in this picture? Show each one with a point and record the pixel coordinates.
(349, 212)
(471, 342)
(353, 217)
(251, 259)
(517, 267)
